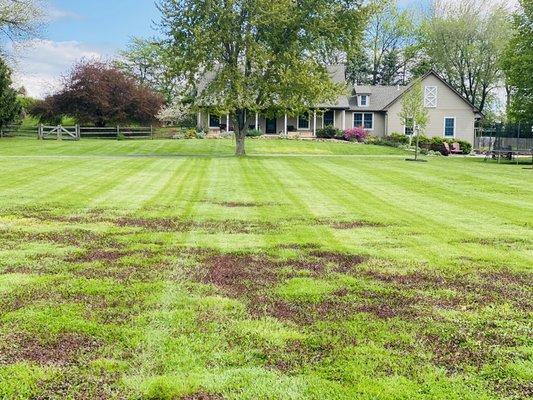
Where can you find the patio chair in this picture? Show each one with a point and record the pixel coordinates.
(445, 149)
(456, 148)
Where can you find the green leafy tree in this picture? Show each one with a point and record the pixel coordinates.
(20, 19)
(10, 107)
(465, 43)
(518, 65)
(259, 55)
(147, 61)
(413, 113)
(387, 50)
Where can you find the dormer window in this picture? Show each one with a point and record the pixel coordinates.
(364, 100)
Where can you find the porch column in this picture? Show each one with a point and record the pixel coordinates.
(199, 120)
(334, 118)
(256, 120)
(343, 119)
(285, 126)
(227, 122)
(314, 123)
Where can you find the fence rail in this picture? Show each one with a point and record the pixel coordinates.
(77, 132)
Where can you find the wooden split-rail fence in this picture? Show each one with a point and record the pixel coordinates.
(77, 132)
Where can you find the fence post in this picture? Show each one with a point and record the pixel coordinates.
(118, 131)
(152, 132)
(78, 133)
(40, 132)
(58, 132)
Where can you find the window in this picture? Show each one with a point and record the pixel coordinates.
(303, 121)
(365, 120)
(449, 127)
(329, 118)
(363, 100)
(408, 128)
(430, 96)
(214, 121)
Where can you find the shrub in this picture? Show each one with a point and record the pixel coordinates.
(372, 139)
(328, 132)
(200, 134)
(466, 147)
(190, 134)
(423, 141)
(396, 137)
(254, 133)
(437, 144)
(355, 134)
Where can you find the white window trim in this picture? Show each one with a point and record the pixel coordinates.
(209, 121)
(367, 100)
(308, 123)
(405, 129)
(454, 127)
(363, 114)
(426, 102)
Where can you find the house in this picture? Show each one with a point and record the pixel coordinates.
(375, 108)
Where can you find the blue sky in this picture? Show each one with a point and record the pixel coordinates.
(104, 23)
(80, 29)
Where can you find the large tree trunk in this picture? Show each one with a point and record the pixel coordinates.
(239, 126)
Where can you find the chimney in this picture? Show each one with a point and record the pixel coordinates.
(398, 87)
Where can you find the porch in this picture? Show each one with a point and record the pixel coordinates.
(304, 125)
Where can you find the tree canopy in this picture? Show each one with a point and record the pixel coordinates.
(259, 55)
(147, 61)
(465, 42)
(99, 94)
(388, 47)
(20, 19)
(518, 64)
(10, 108)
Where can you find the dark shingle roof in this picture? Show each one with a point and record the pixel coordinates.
(380, 96)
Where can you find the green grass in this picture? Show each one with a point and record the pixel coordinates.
(308, 270)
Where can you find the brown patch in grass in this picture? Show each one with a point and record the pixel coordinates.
(345, 225)
(203, 396)
(209, 226)
(296, 355)
(240, 274)
(97, 254)
(474, 290)
(67, 349)
(66, 237)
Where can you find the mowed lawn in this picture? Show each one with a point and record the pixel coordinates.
(307, 270)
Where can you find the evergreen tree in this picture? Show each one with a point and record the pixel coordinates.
(10, 108)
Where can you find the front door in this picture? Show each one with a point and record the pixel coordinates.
(271, 126)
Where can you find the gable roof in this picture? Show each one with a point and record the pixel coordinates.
(394, 100)
(383, 97)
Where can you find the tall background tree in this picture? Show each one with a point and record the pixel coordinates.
(97, 93)
(10, 108)
(465, 43)
(388, 46)
(20, 19)
(518, 65)
(257, 55)
(147, 60)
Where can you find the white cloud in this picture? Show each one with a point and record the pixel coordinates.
(41, 63)
(55, 14)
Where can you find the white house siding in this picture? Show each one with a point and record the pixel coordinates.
(449, 104)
